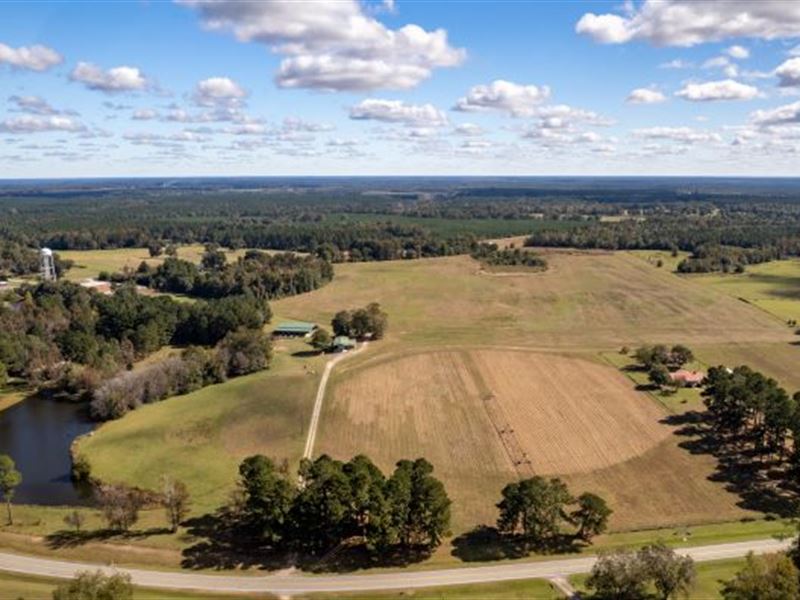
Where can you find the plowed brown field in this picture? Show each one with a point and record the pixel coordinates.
(571, 417)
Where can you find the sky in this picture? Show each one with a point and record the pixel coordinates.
(404, 87)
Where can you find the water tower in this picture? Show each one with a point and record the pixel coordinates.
(48, 265)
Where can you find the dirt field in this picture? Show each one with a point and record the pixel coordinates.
(583, 301)
(570, 417)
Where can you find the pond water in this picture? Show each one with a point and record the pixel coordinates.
(37, 434)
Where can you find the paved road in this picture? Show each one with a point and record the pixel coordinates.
(323, 383)
(288, 584)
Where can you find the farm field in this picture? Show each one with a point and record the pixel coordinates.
(570, 417)
(774, 287)
(90, 263)
(585, 301)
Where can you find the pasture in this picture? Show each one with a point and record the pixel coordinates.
(773, 287)
(584, 301)
(90, 263)
(201, 437)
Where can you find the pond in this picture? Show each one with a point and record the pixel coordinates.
(37, 434)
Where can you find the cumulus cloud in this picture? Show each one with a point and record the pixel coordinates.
(676, 63)
(40, 123)
(114, 80)
(335, 46)
(513, 98)
(788, 114)
(298, 124)
(397, 111)
(685, 135)
(645, 96)
(691, 22)
(218, 91)
(34, 58)
(789, 73)
(469, 129)
(145, 114)
(37, 106)
(738, 52)
(727, 89)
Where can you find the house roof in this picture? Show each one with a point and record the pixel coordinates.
(343, 340)
(295, 327)
(687, 376)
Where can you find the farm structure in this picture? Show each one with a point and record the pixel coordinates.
(294, 329)
(342, 343)
(687, 378)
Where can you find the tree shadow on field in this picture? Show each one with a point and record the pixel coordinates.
(73, 539)
(485, 543)
(758, 480)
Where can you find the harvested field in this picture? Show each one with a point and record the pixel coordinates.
(571, 417)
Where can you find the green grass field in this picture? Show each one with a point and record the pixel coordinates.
(774, 287)
(90, 263)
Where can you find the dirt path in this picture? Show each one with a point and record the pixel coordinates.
(323, 384)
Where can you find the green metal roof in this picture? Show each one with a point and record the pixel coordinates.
(296, 327)
(343, 340)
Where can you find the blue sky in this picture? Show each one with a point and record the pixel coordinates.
(197, 87)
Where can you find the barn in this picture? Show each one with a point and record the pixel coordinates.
(294, 329)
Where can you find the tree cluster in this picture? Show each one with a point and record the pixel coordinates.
(95, 586)
(491, 255)
(767, 577)
(264, 276)
(369, 322)
(240, 352)
(629, 575)
(340, 501)
(537, 509)
(711, 258)
(743, 404)
(659, 360)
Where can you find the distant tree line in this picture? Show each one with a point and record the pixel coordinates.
(726, 259)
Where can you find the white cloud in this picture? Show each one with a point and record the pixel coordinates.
(738, 52)
(37, 106)
(691, 22)
(298, 124)
(34, 58)
(117, 79)
(676, 63)
(685, 135)
(333, 46)
(727, 89)
(396, 111)
(513, 98)
(218, 91)
(145, 114)
(789, 73)
(469, 129)
(788, 114)
(645, 96)
(39, 123)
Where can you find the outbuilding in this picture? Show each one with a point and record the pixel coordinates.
(342, 343)
(294, 329)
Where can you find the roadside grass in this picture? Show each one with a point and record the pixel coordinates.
(708, 585)
(533, 589)
(14, 586)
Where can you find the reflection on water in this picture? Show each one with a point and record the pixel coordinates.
(37, 434)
